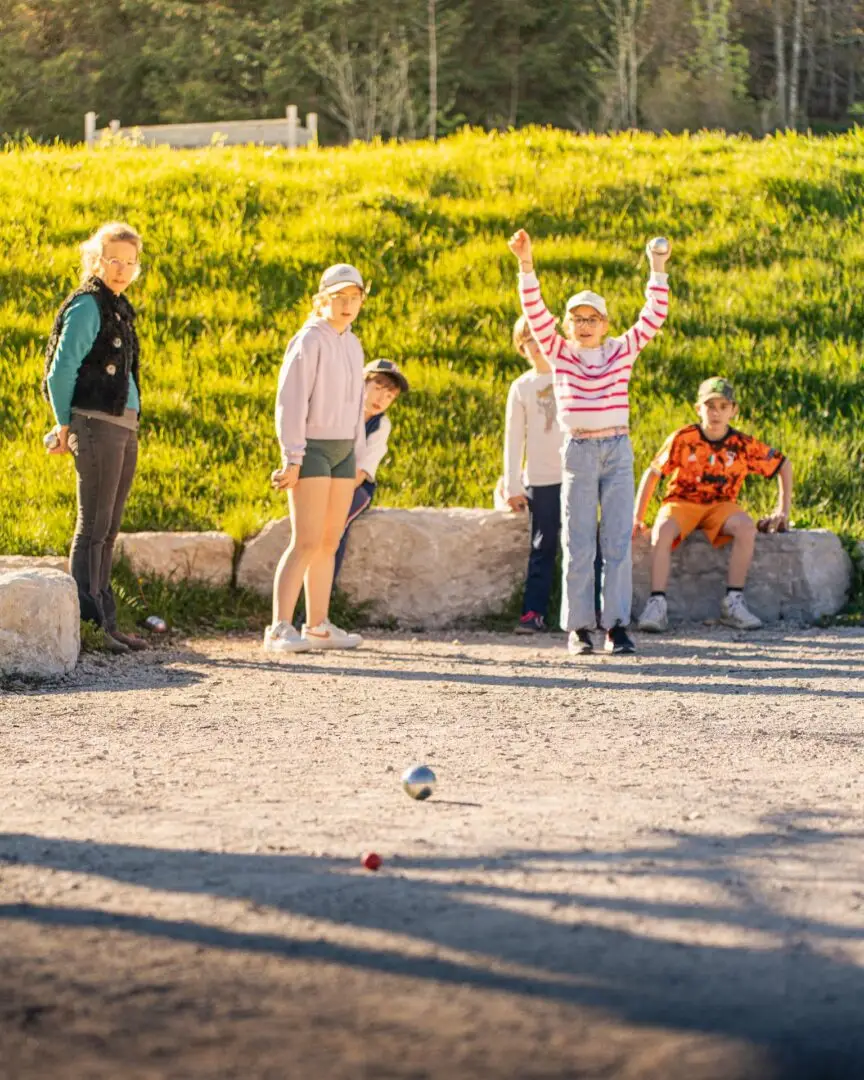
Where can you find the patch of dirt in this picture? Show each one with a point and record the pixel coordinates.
(631, 868)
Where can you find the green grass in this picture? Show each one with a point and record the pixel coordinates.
(766, 278)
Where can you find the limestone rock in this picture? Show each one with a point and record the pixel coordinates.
(261, 554)
(799, 575)
(423, 568)
(430, 568)
(33, 562)
(39, 623)
(178, 556)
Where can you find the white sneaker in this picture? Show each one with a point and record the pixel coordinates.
(283, 638)
(655, 617)
(734, 612)
(327, 636)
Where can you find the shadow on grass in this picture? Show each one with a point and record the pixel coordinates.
(790, 993)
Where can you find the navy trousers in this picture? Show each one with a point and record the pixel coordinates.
(361, 501)
(545, 509)
(544, 504)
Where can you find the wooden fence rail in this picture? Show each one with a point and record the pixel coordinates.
(288, 132)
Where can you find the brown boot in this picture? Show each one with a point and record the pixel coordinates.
(112, 644)
(131, 641)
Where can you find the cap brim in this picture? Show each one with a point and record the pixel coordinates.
(397, 375)
(341, 286)
(583, 303)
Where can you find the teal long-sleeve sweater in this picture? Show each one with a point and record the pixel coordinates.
(80, 330)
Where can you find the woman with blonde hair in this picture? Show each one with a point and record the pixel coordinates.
(320, 425)
(92, 382)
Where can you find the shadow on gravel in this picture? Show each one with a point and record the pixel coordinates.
(642, 680)
(790, 994)
(116, 676)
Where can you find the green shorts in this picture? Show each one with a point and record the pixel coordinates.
(329, 457)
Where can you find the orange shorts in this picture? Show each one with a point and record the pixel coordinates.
(690, 516)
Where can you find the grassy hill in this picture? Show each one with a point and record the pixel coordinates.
(766, 278)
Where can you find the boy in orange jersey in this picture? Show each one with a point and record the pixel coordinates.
(707, 464)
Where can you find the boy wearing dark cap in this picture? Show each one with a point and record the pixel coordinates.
(707, 464)
(384, 382)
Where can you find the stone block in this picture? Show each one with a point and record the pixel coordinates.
(33, 562)
(429, 568)
(798, 575)
(39, 623)
(207, 557)
(424, 568)
(260, 555)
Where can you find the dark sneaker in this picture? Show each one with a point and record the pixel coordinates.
(579, 643)
(618, 641)
(531, 623)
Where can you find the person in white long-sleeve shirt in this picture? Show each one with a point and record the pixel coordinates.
(319, 424)
(384, 383)
(533, 440)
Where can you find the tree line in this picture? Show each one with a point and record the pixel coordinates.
(415, 68)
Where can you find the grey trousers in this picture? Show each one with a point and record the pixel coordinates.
(597, 471)
(105, 459)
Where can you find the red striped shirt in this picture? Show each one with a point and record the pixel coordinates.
(588, 381)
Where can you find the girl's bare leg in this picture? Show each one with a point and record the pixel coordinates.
(319, 572)
(308, 502)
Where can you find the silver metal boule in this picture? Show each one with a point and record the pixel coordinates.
(51, 441)
(156, 623)
(659, 244)
(419, 781)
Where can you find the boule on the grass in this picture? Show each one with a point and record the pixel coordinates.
(419, 782)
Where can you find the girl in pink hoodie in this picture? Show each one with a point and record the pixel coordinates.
(319, 423)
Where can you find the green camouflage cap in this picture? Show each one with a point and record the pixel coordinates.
(715, 387)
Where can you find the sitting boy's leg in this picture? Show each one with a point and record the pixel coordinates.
(733, 610)
(545, 504)
(667, 532)
(742, 529)
(360, 502)
(726, 522)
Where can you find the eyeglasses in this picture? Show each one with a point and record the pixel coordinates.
(591, 321)
(118, 264)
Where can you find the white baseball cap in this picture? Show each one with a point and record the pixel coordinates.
(339, 277)
(587, 298)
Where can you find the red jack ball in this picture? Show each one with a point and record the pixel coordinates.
(371, 860)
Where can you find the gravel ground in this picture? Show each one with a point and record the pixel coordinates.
(632, 867)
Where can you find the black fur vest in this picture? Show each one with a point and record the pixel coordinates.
(103, 379)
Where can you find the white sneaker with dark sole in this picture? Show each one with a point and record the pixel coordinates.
(327, 636)
(655, 617)
(283, 638)
(734, 612)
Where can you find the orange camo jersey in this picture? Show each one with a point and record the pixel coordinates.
(705, 472)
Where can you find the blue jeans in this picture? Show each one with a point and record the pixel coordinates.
(544, 503)
(597, 471)
(362, 501)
